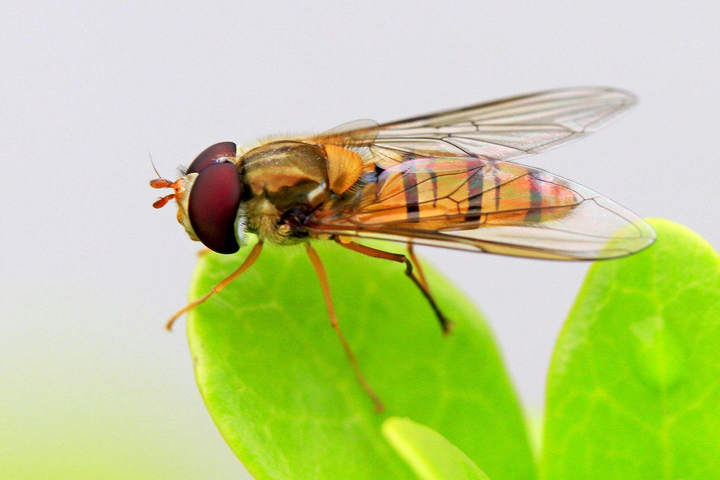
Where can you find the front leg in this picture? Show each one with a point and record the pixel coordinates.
(445, 324)
(247, 263)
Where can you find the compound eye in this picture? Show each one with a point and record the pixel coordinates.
(213, 207)
(211, 154)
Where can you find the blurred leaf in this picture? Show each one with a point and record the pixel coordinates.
(634, 385)
(280, 389)
(428, 453)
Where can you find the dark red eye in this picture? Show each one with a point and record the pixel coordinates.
(213, 207)
(212, 153)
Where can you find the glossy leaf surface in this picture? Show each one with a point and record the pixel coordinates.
(634, 385)
(428, 453)
(279, 387)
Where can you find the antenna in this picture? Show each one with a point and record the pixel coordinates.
(153, 165)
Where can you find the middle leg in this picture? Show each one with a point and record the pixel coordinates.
(325, 285)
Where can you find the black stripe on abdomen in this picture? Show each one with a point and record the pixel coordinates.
(475, 194)
(534, 213)
(411, 195)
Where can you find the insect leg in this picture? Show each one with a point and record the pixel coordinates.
(325, 285)
(445, 324)
(254, 254)
(418, 266)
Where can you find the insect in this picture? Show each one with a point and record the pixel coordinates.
(448, 179)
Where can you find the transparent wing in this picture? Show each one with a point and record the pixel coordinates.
(487, 206)
(504, 129)
(358, 133)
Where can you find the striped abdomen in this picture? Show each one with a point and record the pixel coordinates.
(441, 193)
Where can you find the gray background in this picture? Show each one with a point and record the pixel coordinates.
(89, 271)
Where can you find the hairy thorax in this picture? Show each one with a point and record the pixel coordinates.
(282, 177)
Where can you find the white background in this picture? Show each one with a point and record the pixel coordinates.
(89, 271)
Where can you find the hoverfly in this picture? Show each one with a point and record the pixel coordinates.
(448, 179)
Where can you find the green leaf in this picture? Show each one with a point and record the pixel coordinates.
(634, 385)
(428, 453)
(279, 387)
